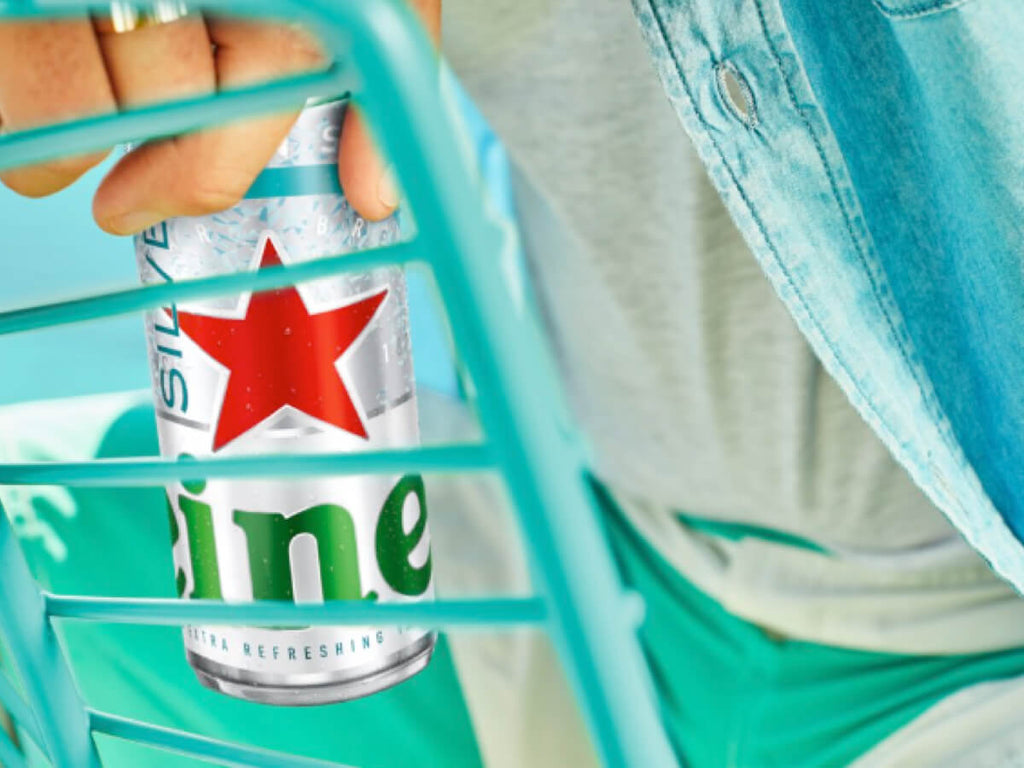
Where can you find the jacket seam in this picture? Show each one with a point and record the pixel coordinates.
(812, 316)
(895, 326)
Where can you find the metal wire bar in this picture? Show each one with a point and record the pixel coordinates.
(33, 145)
(132, 472)
(153, 296)
(506, 353)
(10, 755)
(18, 709)
(36, 656)
(213, 750)
(505, 612)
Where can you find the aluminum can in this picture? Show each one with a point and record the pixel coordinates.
(324, 366)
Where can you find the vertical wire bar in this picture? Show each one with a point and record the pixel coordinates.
(544, 468)
(16, 707)
(10, 755)
(590, 610)
(37, 657)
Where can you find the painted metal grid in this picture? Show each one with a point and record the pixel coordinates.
(383, 59)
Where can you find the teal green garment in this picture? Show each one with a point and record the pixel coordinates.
(733, 696)
(119, 544)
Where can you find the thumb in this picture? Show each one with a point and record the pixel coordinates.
(369, 183)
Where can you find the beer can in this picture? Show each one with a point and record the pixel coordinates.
(325, 366)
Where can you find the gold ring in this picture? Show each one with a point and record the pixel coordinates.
(126, 17)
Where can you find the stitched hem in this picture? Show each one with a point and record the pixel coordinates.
(897, 10)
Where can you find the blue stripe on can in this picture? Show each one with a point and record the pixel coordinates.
(295, 181)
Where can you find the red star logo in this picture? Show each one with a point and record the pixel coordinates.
(280, 354)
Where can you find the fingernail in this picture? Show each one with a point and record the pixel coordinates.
(133, 222)
(387, 190)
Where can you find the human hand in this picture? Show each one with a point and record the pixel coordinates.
(57, 70)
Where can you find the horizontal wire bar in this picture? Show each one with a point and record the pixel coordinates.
(506, 611)
(20, 712)
(133, 472)
(193, 745)
(165, 294)
(33, 145)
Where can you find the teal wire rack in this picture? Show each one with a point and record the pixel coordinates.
(382, 58)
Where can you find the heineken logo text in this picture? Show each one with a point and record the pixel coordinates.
(269, 536)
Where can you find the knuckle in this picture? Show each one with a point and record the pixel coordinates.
(299, 49)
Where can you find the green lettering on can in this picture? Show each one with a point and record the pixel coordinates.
(179, 574)
(269, 538)
(394, 545)
(201, 548)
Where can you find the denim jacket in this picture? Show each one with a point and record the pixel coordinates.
(872, 154)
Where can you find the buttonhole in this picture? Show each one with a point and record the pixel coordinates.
(735, 93)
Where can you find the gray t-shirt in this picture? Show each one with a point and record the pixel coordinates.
(690, 380)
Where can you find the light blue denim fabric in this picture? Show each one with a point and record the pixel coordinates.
(877, 172)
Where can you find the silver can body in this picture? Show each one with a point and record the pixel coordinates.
(322, 367)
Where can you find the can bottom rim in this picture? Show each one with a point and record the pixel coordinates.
(247, 685)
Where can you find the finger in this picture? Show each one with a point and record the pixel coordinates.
(209, 171)
(368, 182)
(159, 62)
(152, 64)
(429, 12)
(369, 186)
(50, 71)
